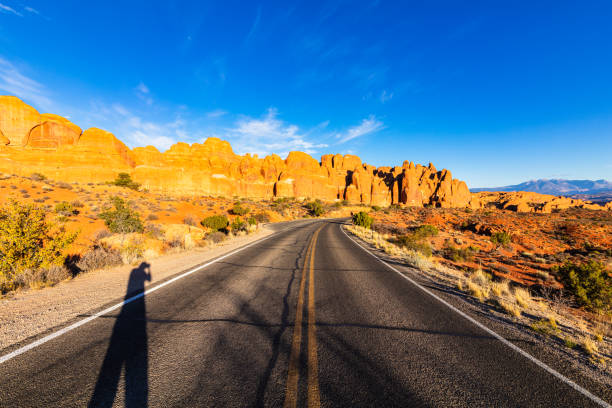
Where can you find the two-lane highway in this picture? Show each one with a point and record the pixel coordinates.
(304, 318)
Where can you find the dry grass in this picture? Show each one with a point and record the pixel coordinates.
(516, 301)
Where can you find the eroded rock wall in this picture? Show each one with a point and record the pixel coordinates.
(49, 144)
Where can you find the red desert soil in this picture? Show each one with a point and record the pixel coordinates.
(539, 241)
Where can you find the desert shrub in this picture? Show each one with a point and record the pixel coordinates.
(64, 185)
(122, 219)
(426, 231)
(262, 217)
(154, 231)
(77, 204)
(41, 277)
(216, 237)
(547, 327)
(65, 208)
(459, 254)
(133, 251)
(99, 257)
(410, 241)
(501, 238)
(28, 241)
(101, 234)
(125, 180)
(215, 222)
(375, 208)
(362, 219)
(239, 225)
(38, 177)
(252, 220)
(190, 220)
(590, 283)
(238, 209)
(152, 217)
(315, 208)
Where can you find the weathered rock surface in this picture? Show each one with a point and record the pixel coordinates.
(49, 144)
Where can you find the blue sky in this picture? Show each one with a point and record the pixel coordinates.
(498, 92)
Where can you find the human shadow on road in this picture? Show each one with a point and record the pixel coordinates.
(127, 348)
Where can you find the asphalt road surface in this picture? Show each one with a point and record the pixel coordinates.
(304, 318)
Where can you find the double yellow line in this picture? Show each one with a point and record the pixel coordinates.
(293, 374)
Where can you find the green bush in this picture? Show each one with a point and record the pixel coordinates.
(252, 220)
(28, 242)
(590, 283)
(459, 254)
(411, 241)
(376, 208)
(501, 238)
(125, 180)
(215, 222)
(362, 219)
(122, 219)
(426, 231)
(239, 225)
(315, 208)
(238, 209)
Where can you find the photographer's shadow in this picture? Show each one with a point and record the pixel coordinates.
(127, 348)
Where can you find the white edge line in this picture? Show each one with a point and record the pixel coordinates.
(80, 323)
(539, 363)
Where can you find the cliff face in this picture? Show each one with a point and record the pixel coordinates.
(49, 144)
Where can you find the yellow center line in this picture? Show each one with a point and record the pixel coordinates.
(291, 390)
(314, 397)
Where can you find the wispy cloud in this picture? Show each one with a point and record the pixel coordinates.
(367, 126)
(9, 10)
(136, 131)
(143, 93)
(269, 134)
(386, 96)
(254, 26)
(14, 82)
(217, 113)
(31, 10)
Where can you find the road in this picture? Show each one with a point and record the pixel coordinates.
(304, 318)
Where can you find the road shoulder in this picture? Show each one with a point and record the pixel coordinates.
(592, 378)
(33, 313)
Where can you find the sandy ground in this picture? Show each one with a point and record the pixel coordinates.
(29, 313)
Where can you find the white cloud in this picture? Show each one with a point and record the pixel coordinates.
(13, 81)
(143, 93)
(217, 113)
(31, 10)
(136, 131)
(254, 26)
(142, 88)
(386, 96)
(367, 126)
(9, 10)
(268, 135)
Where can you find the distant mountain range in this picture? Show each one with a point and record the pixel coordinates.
(593, 190)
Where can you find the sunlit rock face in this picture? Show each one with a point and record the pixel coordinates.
(52, 145)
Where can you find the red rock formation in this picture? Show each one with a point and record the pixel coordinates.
(49, 144)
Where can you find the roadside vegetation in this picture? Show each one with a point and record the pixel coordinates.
(571, 307)
(32, 249)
